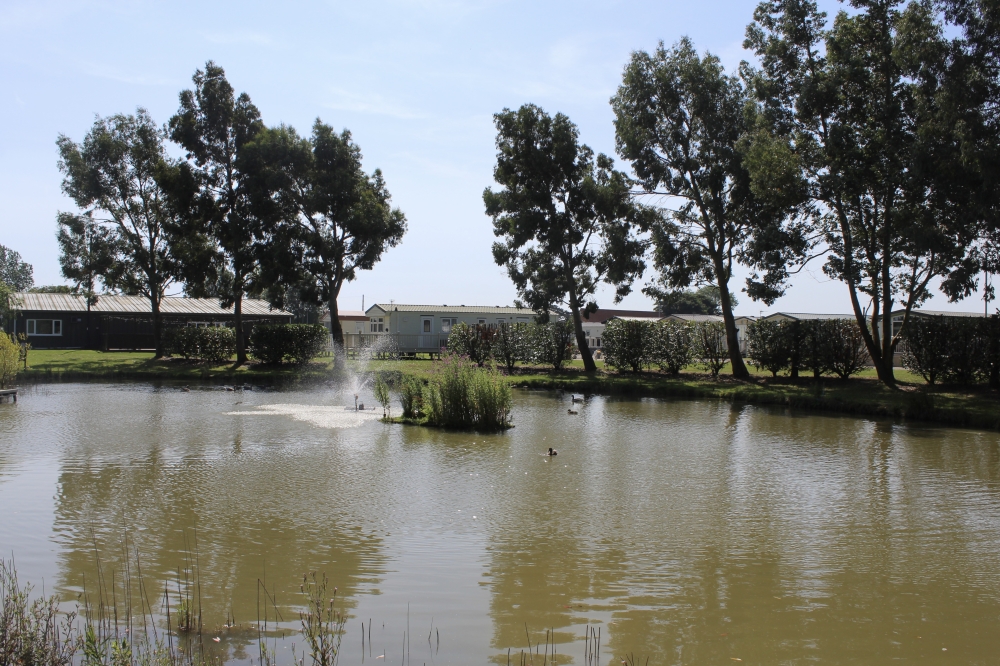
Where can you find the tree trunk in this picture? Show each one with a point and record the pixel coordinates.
(241, 347)
(732, 336)
(336, 333)
(581, 339)
(157, 327)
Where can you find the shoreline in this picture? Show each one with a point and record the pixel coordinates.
(976, 407)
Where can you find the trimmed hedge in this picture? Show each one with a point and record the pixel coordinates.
(213, 344)
(550, 343)
(820, 345)
(279, 343)
(959, 350)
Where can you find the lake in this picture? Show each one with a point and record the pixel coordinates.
(691, 532)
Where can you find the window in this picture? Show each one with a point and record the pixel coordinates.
(481, 322)
(501, 321)
(45, 327)
(427, 325)
(376, 325)
(447, 323)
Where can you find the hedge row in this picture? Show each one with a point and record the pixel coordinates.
(281, 343)
(632, 345)
(548, 344)
(960, 350)
(819, 346)
(213, 344)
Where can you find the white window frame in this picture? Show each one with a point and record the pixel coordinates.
(32, 325)
(448, 323)
(376, 325)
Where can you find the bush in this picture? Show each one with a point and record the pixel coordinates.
(627, 344)
(551, 343)
(212, 344)
(474, 342)
(411, 397)
(278, 343)
(926, 342)
(462, 395)
(846, 351)
(10, 355)
(768, 345)
(710, 345)
(671, 346)
(510, 344)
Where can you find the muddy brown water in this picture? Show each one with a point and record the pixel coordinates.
(691, 532)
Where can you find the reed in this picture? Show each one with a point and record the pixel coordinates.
(464, 396)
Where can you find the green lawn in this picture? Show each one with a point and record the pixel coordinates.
(862, 394)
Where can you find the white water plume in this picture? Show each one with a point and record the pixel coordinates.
(321, 416)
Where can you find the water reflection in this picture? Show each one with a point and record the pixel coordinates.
(689, 531)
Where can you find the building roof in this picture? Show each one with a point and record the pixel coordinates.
(346, 315)
(938, 313)
(802, 316)
(695, 317)
(601, 315)
(447, 309)
(170, 305)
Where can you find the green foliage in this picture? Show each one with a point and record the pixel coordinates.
(679, 119)
(213, 344)
(710, 345)
(671, 345)
(474, 342)
(627, 344)
(381, 391)
(322, 623)
(705, 300)
(876, 125)
(550, 343)
(10, 356)
(566, 220)
(465, 396)
(411, 396)
(33, 630)
(968, 350)
(113, 177)
(279, 343)
(845, 345)
(769, 345)
(926, 343)
(10, 306)
(511, 344)
(14, 272)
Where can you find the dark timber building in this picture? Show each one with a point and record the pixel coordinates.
(124, 322)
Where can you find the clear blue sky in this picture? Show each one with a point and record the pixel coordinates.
(415, 81)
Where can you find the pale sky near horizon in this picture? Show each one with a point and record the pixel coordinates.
(416, 82)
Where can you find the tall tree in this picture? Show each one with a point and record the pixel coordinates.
(864, 115)
(14, 272)
(679, 119)
(705, 300)
(337, 219)
(86, 253)
(214, 126)
(566, 219)
(112, 176)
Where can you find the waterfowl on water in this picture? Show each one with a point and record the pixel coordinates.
(572, 411)
(552, 452)
(575, 398)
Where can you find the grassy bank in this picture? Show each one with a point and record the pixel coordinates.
(861, 395)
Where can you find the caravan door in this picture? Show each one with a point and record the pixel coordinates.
(427, 337)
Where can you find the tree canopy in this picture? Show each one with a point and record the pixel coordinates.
(566, 219)
(14, 272)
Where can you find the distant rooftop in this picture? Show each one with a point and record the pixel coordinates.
(170, 305)
(601, 315)
(443, 309)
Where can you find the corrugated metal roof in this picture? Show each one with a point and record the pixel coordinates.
(941, 313)
(170, 305)
(808, 315)
(442, 309)
(601, 315)
(696, 317)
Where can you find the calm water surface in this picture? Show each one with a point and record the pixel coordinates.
(691, 532)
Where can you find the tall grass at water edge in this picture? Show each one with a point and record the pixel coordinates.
(463, 395)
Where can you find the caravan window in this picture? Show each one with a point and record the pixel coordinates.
(45, 327)
(447, 323)
(376, 325)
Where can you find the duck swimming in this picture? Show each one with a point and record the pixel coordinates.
(552, 452)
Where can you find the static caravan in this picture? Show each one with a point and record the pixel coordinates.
(412, 329)
(594, 323)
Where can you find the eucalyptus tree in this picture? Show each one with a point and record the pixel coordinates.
(865, 117)
(87, 252)
(336, 220)
(15, 272)
(215, 126)
(567, 220)
(680, 120)
(112, 177)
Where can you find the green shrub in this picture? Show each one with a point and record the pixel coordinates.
(213, 344)
(671, 346)
(845, 347)
(710, 345)
(627, 344)
(926, 341)
(10, 355)
(510, 344)
(551, 343)
(768, 345)
(462, 395)
(295, 343)
(411, 396)
(474, 342)
(968, 350)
